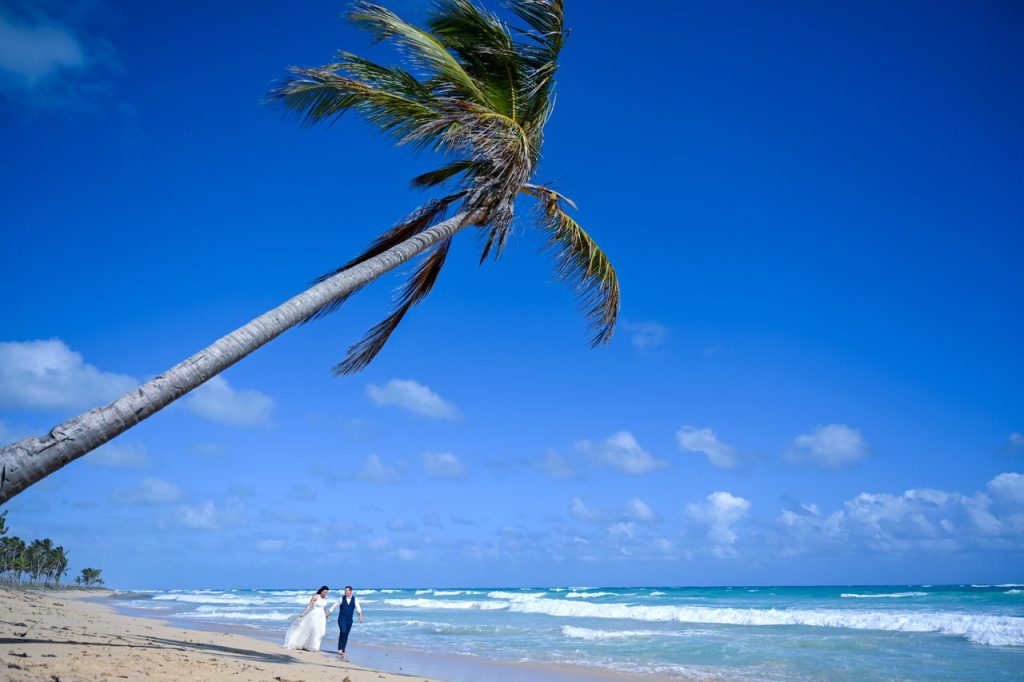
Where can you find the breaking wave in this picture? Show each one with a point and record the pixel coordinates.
(981, 629)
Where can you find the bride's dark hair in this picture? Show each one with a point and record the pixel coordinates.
(323, 589)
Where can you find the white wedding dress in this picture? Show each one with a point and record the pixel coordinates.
(306, 632)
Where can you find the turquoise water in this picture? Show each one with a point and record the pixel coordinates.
(949, 632)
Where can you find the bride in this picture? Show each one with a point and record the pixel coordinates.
(306, 633)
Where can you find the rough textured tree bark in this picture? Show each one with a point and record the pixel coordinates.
(32, 459)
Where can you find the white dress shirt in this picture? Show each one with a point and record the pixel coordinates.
(359, 609)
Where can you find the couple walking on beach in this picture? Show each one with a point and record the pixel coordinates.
(309, 628)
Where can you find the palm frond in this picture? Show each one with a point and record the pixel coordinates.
(423, 219)
(546, 36)
(415, 290)
(445, 173)
(318, 95)
(485, 47)
(423, 49)
(582, 263)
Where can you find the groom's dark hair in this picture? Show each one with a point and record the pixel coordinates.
(348, 587)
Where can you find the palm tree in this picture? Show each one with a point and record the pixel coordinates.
(90, 577)
(476, 91)
(12, 551)
(57, 564)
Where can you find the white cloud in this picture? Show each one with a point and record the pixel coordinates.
(692, 439)
(919, 519)
(149, 491)
(622, 451)
(400, 525)
(217, 401)
(622, 530)
(302, 492)
(126, 455)
(209, 516)
(33, 53)
(721, 511)
(269, 546)
(581, 512)
(556, 466)
(830, 447)
(1014, 442)
(414, 397)
(47, 375)
(207, 450)
(376, 471)
(1009, 486)
(442, 465)
(47, 61)
(646, 335)
(638, 510)
(405, 554)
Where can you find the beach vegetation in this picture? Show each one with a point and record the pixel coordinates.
(34, 564)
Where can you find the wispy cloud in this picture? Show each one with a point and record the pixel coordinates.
(646, 336)
(149, 491)
(1013, 443)
(413, 396)
(830, 447)
(48, 375)
(218, 401)
(52, 58)
(638, 510)
(556, 466)
(375, 470)
(209, 515)
(704, 441)
(622, 451)
(442, 465)
(121, 455)
(581, 511)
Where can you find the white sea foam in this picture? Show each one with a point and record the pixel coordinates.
(446, 604)
(890, 595)
(514, 595)
(232, 599)
(447, 593)
(982, 629)
(581, 595)
(592, 635)
(242, 615)
(657, 594)
(1014, 592)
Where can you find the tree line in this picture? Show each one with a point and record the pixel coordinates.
(38, 562)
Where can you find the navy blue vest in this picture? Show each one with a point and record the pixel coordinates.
(345, 611)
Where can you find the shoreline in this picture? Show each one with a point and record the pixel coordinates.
(68, 634)
(79, 635)
(414, 663)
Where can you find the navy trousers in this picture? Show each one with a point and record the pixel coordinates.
(346, 627)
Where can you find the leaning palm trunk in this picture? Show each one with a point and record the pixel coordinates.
(32, 459)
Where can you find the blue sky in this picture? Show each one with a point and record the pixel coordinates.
(814, 211)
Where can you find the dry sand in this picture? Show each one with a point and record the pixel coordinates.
(59, 635)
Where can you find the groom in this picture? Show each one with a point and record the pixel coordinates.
(347, 606)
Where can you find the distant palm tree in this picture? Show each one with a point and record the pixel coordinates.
(477, 91)
(89, 577)
(57, 564)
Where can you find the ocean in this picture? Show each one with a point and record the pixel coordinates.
(857, 633)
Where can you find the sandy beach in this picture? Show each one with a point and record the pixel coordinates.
(66, 635)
